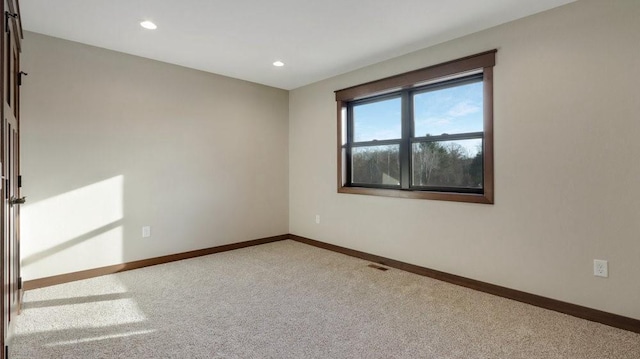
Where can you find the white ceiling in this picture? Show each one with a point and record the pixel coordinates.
(316, 39)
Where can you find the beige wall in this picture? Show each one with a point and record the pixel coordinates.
(112, 142)
(567, 121)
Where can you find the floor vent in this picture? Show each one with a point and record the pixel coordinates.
(375, 266)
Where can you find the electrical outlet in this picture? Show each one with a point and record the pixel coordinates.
(146, 231)
(317, 219)
(600, 268)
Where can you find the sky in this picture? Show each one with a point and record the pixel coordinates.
(450, 110)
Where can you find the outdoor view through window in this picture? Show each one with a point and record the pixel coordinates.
(446, 144)
(424, 134)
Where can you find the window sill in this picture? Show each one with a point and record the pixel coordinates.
(485, 198)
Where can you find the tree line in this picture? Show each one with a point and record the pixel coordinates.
(433, 164)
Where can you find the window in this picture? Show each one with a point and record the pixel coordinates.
(423, 134)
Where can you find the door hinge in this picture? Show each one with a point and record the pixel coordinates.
(20, 74)
(20, 283)
(8, 15)
(20, 181)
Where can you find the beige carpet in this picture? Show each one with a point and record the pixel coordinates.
(290, 300)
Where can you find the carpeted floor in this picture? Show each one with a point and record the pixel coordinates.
(290, 300)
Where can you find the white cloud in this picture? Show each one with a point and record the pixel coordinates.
(463, 108)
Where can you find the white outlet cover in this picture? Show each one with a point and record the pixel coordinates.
(146, 231)
(600, 268)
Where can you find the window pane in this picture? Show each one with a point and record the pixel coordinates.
(447, 163)
(451, 110)
(380, 120)
(376, 165)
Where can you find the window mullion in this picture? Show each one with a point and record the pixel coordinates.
(405, 144)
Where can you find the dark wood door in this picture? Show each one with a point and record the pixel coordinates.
(10, 156)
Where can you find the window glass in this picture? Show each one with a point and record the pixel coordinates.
(449, 110)
(447, 163)
(376, 165)
(380, 120)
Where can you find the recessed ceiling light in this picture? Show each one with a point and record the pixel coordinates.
(148, 25)
(278, 64)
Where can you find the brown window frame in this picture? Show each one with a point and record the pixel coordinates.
(479, 63)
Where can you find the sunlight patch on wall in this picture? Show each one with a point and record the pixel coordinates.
(57, 228)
